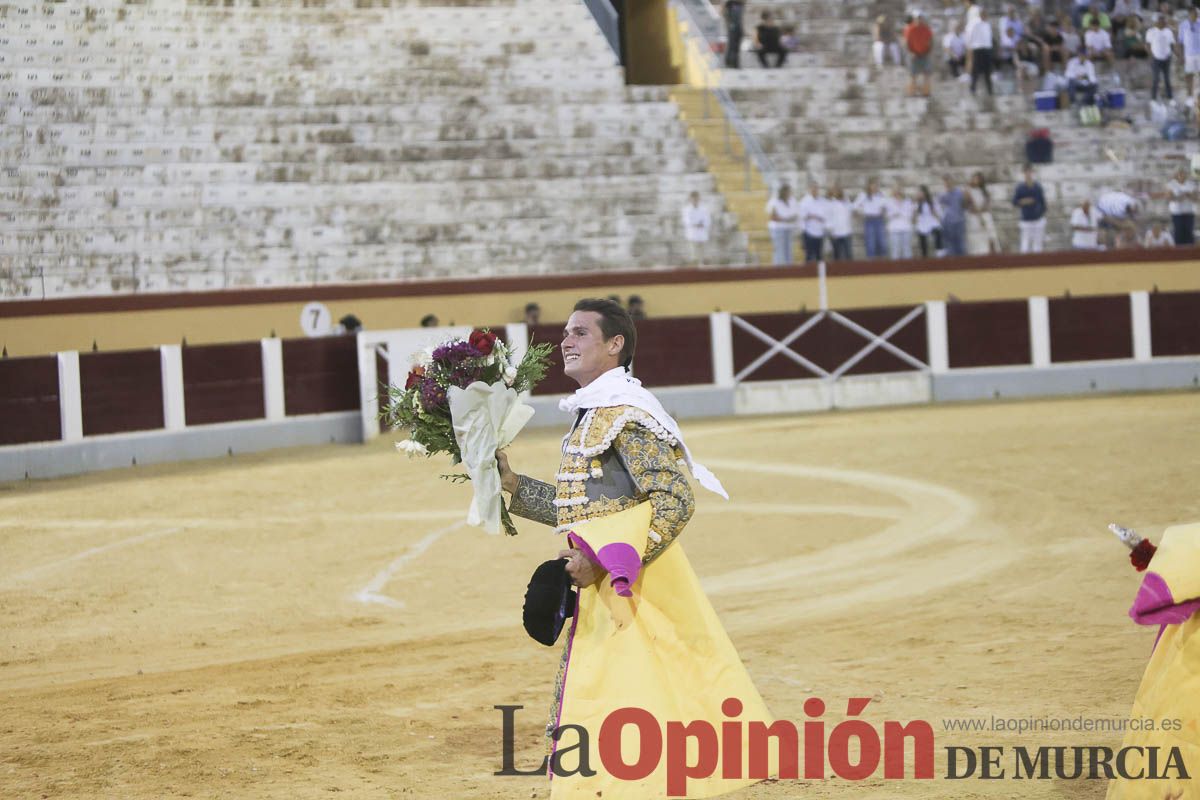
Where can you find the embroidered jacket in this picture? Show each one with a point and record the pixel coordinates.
(613, 459)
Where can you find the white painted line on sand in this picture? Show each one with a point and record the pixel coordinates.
(92, 551)
(373, 591)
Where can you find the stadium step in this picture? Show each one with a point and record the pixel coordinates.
(737, 179)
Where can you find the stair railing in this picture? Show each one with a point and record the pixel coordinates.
(703, 37)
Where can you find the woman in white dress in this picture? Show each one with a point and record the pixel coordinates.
(981, 228)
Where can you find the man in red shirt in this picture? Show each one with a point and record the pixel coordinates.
(918, 38)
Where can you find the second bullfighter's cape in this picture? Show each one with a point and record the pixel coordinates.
(1170, 690)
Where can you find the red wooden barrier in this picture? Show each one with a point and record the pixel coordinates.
(222, 382)
(320, 375)
(988, 334)
(1090, 328)
(29, 400)
(1175, 323)
(121, 391)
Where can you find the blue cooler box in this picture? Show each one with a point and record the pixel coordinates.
(1115, 98)
(1048, 101)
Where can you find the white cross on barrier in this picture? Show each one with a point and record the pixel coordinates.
(874, 341)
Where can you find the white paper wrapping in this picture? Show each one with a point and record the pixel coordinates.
(486, 417)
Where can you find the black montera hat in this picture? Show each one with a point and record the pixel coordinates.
(549, 601)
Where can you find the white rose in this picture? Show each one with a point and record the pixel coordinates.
(510, 374)
(412, 448)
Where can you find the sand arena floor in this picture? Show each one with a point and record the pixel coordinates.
(318, 623)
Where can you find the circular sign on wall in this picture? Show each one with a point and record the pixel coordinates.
(315, 320)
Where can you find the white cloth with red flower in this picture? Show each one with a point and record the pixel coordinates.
(618, 388)
(486, 417)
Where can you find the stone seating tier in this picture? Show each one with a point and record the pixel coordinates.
(170, 144)
(40, 176)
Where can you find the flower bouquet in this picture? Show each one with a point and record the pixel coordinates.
(464, 397)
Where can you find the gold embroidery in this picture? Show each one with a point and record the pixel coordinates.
(533, 500)
(650, 455)
(653, 464)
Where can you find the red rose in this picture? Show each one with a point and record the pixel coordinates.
(483, 341)
(414, 377)
(1141, 555)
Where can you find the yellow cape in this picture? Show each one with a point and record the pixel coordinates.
(1170, 688)
(662, 650)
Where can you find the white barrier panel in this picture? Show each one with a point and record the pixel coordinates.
(274, 407)
(1039, 331)
(174, 413)
(887, 389)
(783, 397)
(1139, 318)
(398, 348)
(70, 398)
(937, 337)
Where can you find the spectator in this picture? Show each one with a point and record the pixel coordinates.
(812, 218)
(1085, 224)
(697, 225)
(1118, 215)
(783, 212)
(954, 221)
(972, 16)
(533, 315)
(637, 308)
(1009, 52)
(1158, 236)
(979, 42)
(885, 41)
(929, 223)
(1010, 21)
(955, 48)
(430, 321)
(1132, 42)
(1121, 12)
(1095, 15)
(1081, 78)
(1030, 200)
(918, 38)
(838, 216)
(734, 13)
(1054, 53)
(1189, 40)
(1098, 42)
(790, 41)
(981, 228)
(1031, 55)
(1161, 40)
(1072, 41)
(1035, 24)
(769, 39)
(871, 205)
(1182, 191)
(1080, 8)
(900, 212)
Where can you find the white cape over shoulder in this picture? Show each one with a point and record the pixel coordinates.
(618, 388)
